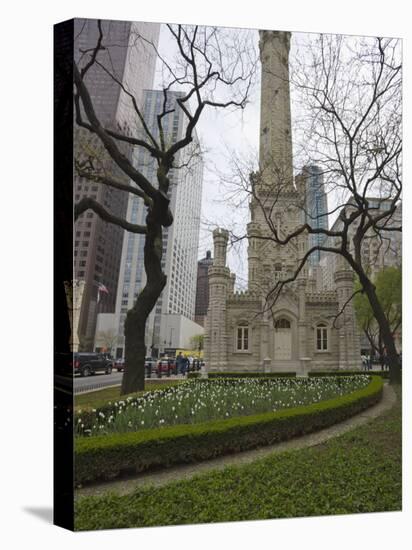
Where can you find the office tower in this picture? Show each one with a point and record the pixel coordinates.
(202, 288)
(316, 208)
(97, 244)
(379, 250)
(171, 322)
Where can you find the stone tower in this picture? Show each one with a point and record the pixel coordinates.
(220, 284)
(275, 120)
(349, 342)
(275, 198)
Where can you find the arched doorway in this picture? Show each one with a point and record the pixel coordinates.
(283, 340)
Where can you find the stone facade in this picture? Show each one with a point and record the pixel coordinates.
(300, 330)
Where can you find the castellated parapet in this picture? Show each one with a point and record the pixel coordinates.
(323, 296)
(245, 295)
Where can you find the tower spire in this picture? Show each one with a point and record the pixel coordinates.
(275, 153)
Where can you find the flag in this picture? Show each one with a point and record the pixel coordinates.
(101, 288)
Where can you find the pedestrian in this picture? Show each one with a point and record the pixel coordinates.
(364, 362)
(179, 363)
(186, 364)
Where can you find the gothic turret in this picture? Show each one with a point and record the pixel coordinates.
(349, 344)
(220, 284)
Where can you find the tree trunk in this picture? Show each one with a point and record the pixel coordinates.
(395, 376)
(135, 324)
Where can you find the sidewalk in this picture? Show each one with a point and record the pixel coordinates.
(186, 471)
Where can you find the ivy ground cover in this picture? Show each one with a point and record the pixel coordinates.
(198, 401)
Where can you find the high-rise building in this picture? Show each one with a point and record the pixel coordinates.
(316, 208)
(379, 250)
(202, 288)
(171, 323)
(97, 244)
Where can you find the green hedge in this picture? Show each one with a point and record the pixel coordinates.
(318, 374)
(109, 456)
(251, 374)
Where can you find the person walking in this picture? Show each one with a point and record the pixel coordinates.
(180, 363)
(186, 364)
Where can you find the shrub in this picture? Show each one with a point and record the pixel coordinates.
(106, 457)
(212, 375)
(318, 374)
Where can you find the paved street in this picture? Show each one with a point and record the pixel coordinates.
(101, 380)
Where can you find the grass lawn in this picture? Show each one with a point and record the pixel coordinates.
(95, 399)
(359, 471)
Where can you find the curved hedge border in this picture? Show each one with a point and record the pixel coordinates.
(245, 374)
(318, 374)
(109, 456)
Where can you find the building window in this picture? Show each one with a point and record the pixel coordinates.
(282, 323)
(242, 338)
(321, 337)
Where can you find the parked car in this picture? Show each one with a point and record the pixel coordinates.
(119, 364)
(86, 364)
(166, 367)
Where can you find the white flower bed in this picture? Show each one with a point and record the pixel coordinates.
(199, 401)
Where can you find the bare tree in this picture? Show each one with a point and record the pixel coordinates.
(213, 68)
(348, 123)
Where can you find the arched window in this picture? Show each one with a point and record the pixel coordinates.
(282, 323)
(242, 337)
(321, 337)
(278, 267)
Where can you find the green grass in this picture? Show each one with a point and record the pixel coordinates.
(359, 471)
(100, 398)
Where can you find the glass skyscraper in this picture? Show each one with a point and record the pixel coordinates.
(180, 240)
(315, 208)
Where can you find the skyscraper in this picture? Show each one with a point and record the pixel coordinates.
(315, 208)
(202, 288)
(97, 244)
(180, 240)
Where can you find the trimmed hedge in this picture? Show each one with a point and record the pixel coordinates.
(318, 374)
(243, 374)
(212, 375)
(110, 456)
